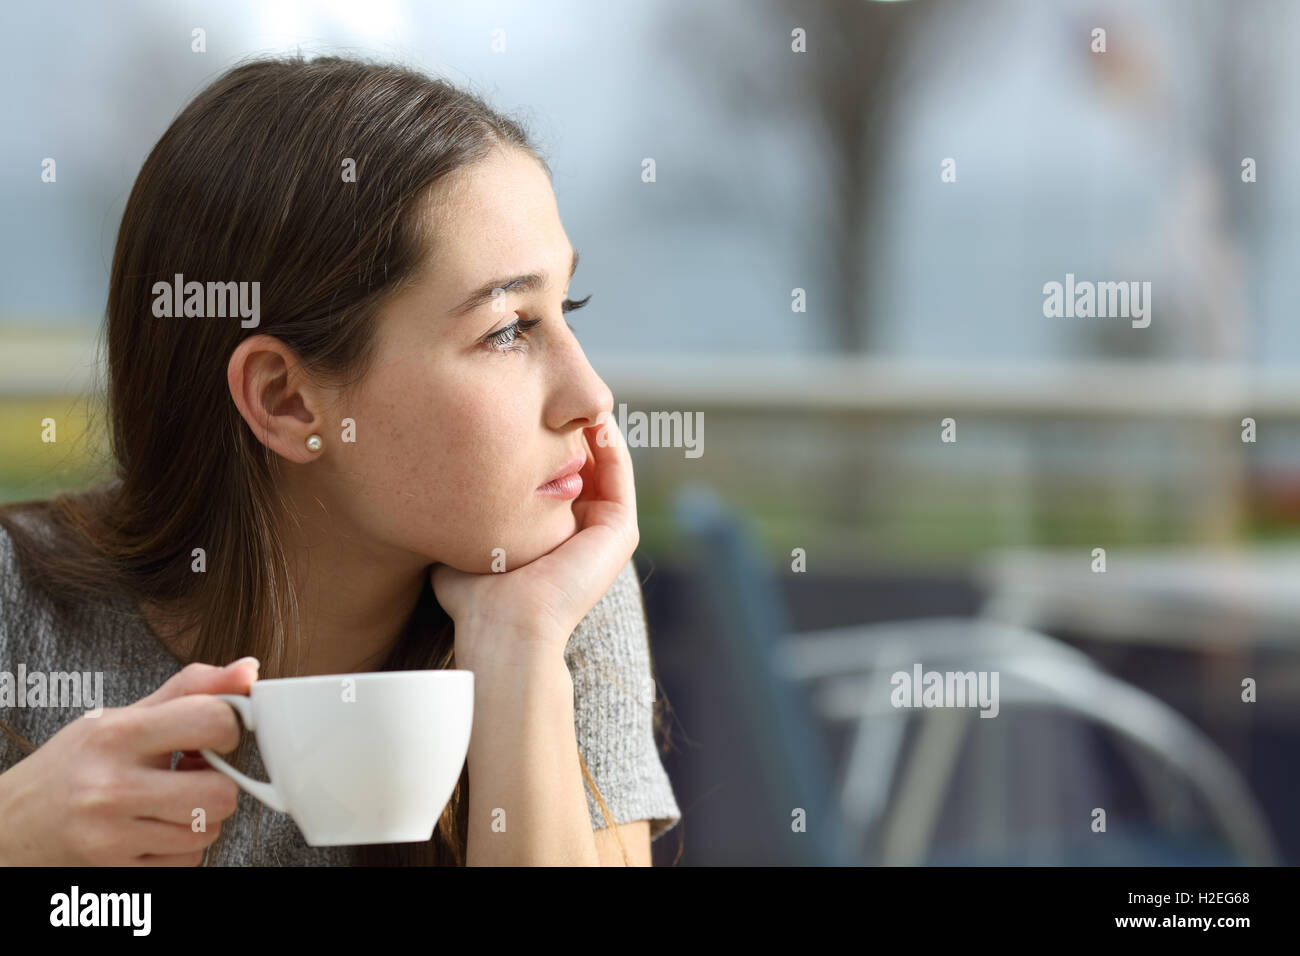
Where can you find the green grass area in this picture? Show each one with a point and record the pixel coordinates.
(915, 521)
(31, 467)
(933, 527)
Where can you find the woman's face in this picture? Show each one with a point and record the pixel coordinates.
(458, 425)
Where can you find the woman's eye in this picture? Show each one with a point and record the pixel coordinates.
(504, 339)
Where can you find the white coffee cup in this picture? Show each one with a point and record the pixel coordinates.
(358, 758)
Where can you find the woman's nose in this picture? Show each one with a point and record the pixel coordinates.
(581, 396)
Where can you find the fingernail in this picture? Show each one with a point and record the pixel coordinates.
(245, 660)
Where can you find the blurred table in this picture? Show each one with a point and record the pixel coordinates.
(1196, 598)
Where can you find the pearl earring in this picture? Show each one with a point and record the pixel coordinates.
(314, 443)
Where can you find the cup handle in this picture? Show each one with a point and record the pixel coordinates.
(263, 791)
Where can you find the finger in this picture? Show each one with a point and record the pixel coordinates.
(611, 464)
(173, 798)
(197, 678)
(171, 839)
(187, 723)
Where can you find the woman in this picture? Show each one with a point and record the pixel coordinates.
(352, 431)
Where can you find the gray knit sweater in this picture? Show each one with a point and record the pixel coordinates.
(607, 655)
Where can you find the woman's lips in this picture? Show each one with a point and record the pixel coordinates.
(567, 482)
(570, 486)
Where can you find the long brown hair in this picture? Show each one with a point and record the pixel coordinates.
(247, 183)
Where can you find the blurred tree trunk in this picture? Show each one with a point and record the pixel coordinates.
(856, 52)
(849, 80)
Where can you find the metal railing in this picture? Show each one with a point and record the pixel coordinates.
(34, 362)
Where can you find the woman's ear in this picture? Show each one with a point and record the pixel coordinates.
(275, 397)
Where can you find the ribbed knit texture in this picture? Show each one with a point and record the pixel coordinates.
(608, 657)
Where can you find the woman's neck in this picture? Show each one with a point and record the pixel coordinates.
(343, 635)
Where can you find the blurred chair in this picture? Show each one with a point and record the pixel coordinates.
(749, 619)
(845, 674)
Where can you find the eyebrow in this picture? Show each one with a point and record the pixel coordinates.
(531, 282)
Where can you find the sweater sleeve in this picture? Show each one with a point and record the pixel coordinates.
(608, 656)
(12, 626)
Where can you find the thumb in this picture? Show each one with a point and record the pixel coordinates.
(449, 587)
(444, 577)
(196, 678)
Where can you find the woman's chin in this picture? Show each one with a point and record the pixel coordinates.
(563, 527)
(551, 533)
(548, 535)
